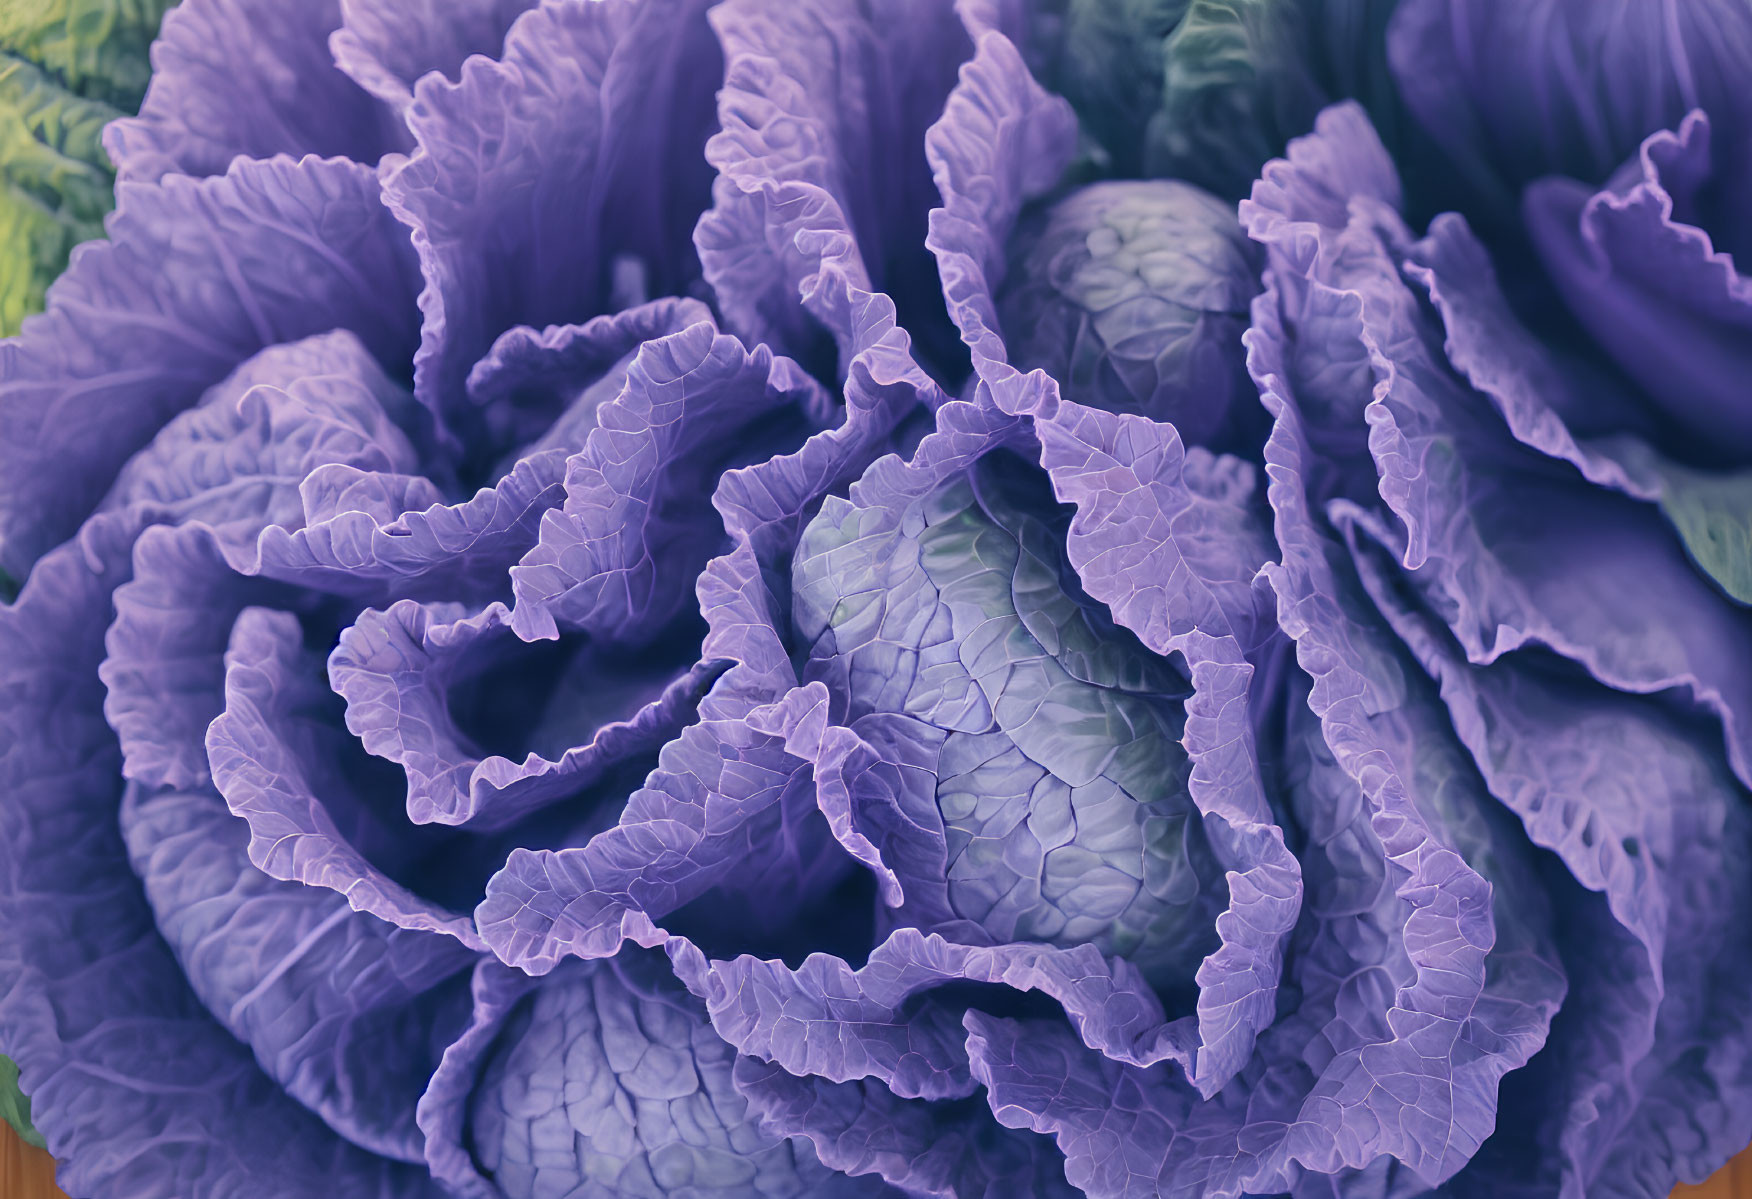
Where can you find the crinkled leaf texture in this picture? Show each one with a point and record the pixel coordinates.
(605, 1078)
(269, 922)
(1461, 434)
(700, 613)
(1168, 539)
(244, 77)
(1134, 296)
(574, 155)
(727, 812)
(107, 968)
(272, 251)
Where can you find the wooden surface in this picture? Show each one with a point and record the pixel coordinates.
(1732, 1181)
(29, 1173)
(26, 1172)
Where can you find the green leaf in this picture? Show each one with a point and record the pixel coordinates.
(67, 68)
(94, 48)
(1110, 69)
(14, 1107)
(1238, 84)
(1208, 90)
(52, 145)
(1713, 514)
(55, 184)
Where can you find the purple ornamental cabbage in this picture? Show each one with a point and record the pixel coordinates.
(662, 599)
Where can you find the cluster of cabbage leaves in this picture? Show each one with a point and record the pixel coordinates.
(858, 598)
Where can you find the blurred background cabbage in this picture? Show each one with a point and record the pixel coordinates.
(67, 67)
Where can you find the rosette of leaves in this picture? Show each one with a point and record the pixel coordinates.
(666, 599)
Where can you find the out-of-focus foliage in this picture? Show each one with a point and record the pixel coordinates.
(67, 68)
